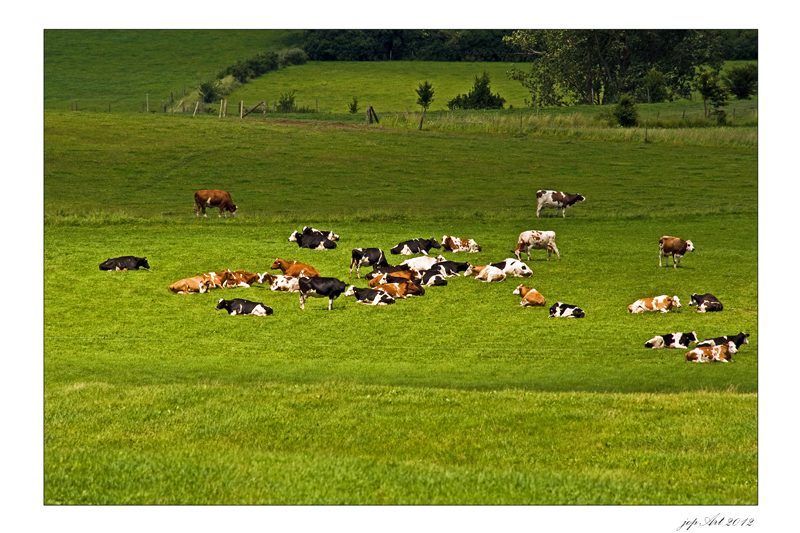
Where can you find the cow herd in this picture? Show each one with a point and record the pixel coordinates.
(387, 283)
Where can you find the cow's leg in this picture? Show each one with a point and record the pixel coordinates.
(538, 210)
(675, 260)
(563, 212)
(302, 301)
(555, 249)
(330, 303)
(353, 264)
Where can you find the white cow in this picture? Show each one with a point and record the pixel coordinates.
(536, 240)
(422, 263)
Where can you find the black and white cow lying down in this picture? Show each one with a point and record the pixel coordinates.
(415, 246)
(373, 257)
(369, 296)
(330, 288)
(706, 303)
(738, 340)
(433, 278)
(562, 310)
(238, 306)
(672, 340)
(313, 241)
(448, 268)
(126, 262)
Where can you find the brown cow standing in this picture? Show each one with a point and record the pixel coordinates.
(293, 268)
(213, 198)
(675, 247)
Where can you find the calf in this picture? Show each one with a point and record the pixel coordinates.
(514, 267)
(738, 340)
(708, 354)
(373, 257)
(369, 296)
(486, 273)
(213, 198)
(280, 283)
(675, 247)
(562, 310)
(672, 340)
(402, 290)
(557, 199)
(237, 306)
(312, 241)
(330, 288)
(293, 268)
(660, 304)
(454, 244)
(415, 246)
(536, 240)
(432, 278)
(530, 296)
(126, 262)
(422, 263)
(706, 303)
(242, 278)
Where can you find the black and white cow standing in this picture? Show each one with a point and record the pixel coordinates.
(330, 288)
(559, 200)
(373, 257)
(706, 303)
(562, 310)
(369, 296)
(126, 262)
(738, 340)
(238, 306)
(672, 340)
(312, 241)
(415, 246)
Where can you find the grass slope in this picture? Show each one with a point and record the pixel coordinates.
(459, 396)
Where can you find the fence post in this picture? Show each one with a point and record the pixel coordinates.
(195, 108)
(147, 97)
(645, 131)
(220, 108)
(241, 109)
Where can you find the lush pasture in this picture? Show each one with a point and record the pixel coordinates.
(459, 396)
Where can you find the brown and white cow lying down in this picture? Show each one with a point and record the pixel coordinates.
(213, 198)
(557, 199)
(708, 354)
(675, 247)
(530, 296)
(293, 268)
(661, 304)
(202, 283)
(242, 278)
(280, 283)
(454, 244)
(486, 273)
(395, 277)
(402, 290)
(536, 240)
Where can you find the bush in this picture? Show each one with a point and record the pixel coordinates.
(292, 56)
(253, 67)
(654, 87)
(209, 90)
(353, 106)
(742, 82)
(479, 97)
(625, 112)
(286, 102)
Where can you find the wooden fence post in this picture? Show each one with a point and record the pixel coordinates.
(147, 97)
(645, 131)
(220, 108)
(241, 110)
(369, 115)
(195, 108)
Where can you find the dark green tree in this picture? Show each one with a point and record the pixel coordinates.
(209, 90)
(479, 97)
(654, 87)
(625, 112)
(425, 93)
(742, 82)
(353, 106)
(712, 92)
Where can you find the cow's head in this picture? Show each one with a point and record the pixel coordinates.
(692, 337)
(142, 262)
(518, 290)
(276, 263)
(695, 300)
(222, 304)
(351, 291)
(293, 237)
(233, 211)
(435, 243)
(689, 246)
(732, 347)
(412, 289)
(675, 301)
(579, 198)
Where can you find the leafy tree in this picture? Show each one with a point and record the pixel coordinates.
(479, 97)
(353, 106)
(209, 90)
(710, 89)
(654, 87)
(742, 82)
(425, 93)
(625, 112)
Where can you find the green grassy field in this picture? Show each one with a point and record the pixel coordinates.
(457, 397)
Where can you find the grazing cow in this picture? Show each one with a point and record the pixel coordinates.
(454, 244)
(660, 304)
(369, 296)
(327, 234)
(293, 268)
(514, 267)
(672, 340)
(710, 354)
(706, 303)
(738, 340)
(530, 296)
(213, 198)
(557, 199)
(536, 240)
(415, 246)
(312, 241)
(562, 310)
(373, 257)
(242, 278)
(280, 283)
(330, 288)
(486, 273)
(126, 262)
(237, 306)
(422, 263)
(432, 278)
(402, 290)
(377, 271)
(675, 247)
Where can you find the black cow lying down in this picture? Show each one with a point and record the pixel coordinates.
(415, 246)
(126, 262)
(738, 340)
(672, 340)
(238, 306)
(706, 303)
